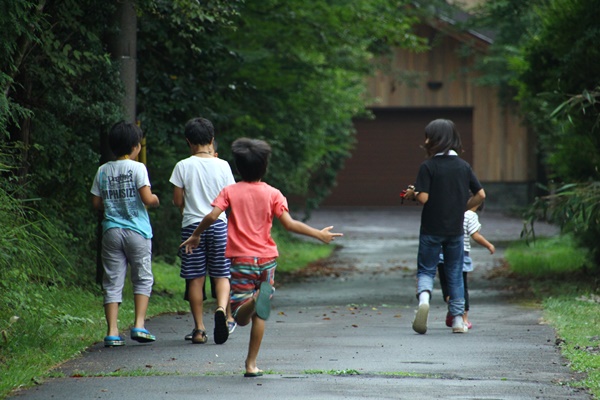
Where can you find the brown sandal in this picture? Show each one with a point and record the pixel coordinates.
(199, 336)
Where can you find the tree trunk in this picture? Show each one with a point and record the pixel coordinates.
(123, 48)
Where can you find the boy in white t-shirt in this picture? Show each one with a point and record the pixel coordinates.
(197, 180)
(253, 204)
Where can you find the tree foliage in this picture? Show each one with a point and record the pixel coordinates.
(550, 61)
(562, 60)
(290, 72)
(59, 88)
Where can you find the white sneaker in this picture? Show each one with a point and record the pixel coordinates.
(458, 326)
(420, 322)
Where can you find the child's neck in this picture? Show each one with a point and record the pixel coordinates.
(202, 151)
(125, 157)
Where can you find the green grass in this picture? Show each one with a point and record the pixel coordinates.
(42, 326)
(331, 372)
(570, 297)
(548, 257)
(576, 317)
(296, 253)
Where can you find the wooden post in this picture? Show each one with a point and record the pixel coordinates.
(123, 49)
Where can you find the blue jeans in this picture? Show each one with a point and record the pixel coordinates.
(427, 260)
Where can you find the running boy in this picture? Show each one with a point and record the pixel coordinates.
(250, 247)
(121, 189)
(197, 180)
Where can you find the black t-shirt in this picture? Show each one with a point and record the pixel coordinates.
(449, 181)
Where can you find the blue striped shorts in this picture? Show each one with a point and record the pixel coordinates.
(209, 255)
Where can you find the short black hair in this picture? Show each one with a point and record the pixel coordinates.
(443, 137)
(124, 136)
(251, 157)
(199, 131)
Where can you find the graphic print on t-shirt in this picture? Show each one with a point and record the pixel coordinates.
(120, 195)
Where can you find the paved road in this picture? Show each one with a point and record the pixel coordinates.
(348, 335)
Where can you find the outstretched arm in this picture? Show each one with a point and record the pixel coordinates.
(325, 235)
(478, 237)
(194, 240)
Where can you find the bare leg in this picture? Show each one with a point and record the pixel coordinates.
(222, 288)
(111, 312)
(256, 335)
(246, 312)
(196, 301)
(141, 307)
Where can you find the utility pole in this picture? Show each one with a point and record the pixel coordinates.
(123, 50)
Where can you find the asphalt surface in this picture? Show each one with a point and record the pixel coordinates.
(347, 334)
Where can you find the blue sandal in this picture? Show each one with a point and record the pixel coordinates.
(113, 341)
(142, 335)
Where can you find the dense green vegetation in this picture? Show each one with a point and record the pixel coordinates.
(290, 72)
(545, 59)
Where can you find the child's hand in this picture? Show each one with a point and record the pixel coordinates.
(408, 194)
(190, 244)
(492, 249)
(327, 236)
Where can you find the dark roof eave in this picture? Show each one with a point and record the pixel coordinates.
(478, 35)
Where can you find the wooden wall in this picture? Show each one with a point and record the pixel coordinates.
(503, 150)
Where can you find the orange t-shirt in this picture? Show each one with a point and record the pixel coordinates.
(253, 206)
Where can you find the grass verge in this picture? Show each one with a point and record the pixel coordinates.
(570, 296)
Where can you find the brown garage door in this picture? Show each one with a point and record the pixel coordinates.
(387, 154)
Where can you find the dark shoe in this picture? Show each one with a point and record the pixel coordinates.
(142, 335)
(189, 335)
(199, 336)
(253, 374)
(221, 331)
(263, 301)
(113, 341)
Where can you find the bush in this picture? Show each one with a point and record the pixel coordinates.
(576, 209)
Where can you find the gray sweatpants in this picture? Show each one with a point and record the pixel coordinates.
(119, 248)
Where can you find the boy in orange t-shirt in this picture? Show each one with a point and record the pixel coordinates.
(252, 250)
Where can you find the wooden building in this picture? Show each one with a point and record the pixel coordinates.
(421, 87)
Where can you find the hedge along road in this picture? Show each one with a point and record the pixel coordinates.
(346, 333)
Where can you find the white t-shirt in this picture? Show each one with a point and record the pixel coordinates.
(118, 183)
(201, 179)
